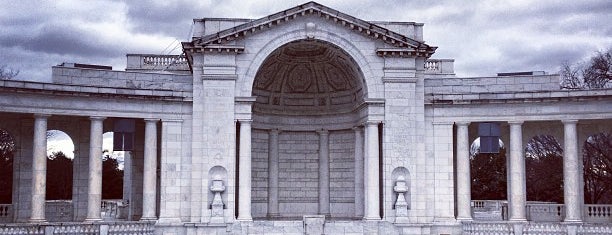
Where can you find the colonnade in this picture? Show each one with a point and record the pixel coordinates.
(517, 177)
(94, 193)
(366, 167)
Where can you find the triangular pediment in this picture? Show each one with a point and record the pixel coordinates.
(401, 45)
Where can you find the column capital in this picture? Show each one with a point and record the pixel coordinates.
(516, 122)
(569, 121)
(97, 118)
(443, 123)
(275, 131)
(370, 123)
(42, 116)
(172, 120)
(151, 119)
(462, 123)
(357, 128)
(322, 132)
(244, 120)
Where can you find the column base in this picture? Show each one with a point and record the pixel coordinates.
(465, 219)
(93, 219)
(517, 220)
(148, 219)
(273, 215)
(372, 218)
(37, 221)
(168, 221)
(572, 221)
(245, 219)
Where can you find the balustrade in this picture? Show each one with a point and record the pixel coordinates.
(439, 66)
(156, 62)
(598, 213)
(432, 65)
(59, 210)
(534, 228)
(545, 212)
(539, 211)
(113, 228)
(6, 212)
(113, 209)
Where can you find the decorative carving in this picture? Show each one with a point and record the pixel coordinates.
(217, 188)
(401, 206)
(310, 30)
(299, 79)
(309, 74)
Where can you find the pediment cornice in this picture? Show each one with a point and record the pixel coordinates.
(398, 42)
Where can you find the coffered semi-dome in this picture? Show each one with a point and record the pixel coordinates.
(308, 77)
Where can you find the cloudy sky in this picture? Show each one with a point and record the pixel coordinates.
(484, 37)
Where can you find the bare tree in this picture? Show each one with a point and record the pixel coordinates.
(7, 73)
(598, 168)
(595, 73)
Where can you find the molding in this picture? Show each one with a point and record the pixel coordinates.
(400, 80)
(220, 77)
(245, 99)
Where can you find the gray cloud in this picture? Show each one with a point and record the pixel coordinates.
(484, 37)
(61, 40)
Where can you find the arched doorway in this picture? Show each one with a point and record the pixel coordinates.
(309, 95)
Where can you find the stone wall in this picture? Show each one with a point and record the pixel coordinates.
(342, 172)
(500, 84)
(121, 82)
(298, 178)
(299, 172)
(259, 172)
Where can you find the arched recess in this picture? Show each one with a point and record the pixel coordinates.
(373, 84)
(597, 160)
(60, 155)
(544, 169)
(399, 174)
(217, 173)
(312, 91)
(488, 173)
(7, 148)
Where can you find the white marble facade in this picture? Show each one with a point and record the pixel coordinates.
(305, 115)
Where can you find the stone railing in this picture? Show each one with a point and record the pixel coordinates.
(598, 213)
(488, 228)
(156, 62)
(488, 209)
(59, 210)
(439, 66)
(540, 211)
(6, 213)
(114, 209)
(534, 228)
(115, 228)
(495, 210)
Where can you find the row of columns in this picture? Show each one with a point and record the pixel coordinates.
(364, 148)
(516, 167)
(94, 193)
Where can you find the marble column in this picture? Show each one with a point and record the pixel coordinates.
(39, 168)
(358, 171)
(464, 194)
(518, 198)
(244, 190)
(571, 173)
(324, 172)
(371, 172)
(94, 188)
(273, 173)
(150, 170)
